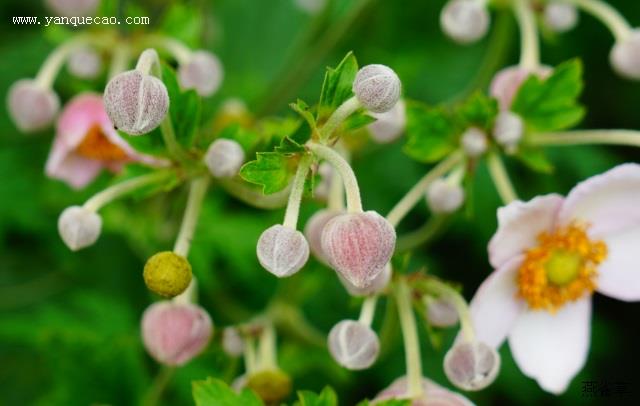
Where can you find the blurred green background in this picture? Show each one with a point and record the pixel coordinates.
(69, 322)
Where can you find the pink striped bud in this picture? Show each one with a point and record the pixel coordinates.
(203, 73)
(432, 394)
(32, 107)
(471, 365)
(282, 251)
(353, 345)
(313, 231)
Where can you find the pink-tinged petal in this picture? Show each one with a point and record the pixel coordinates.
(519, 225)
(608, 202)
(506, 83)
(619, 274)
(495, 307)
(552, 347)
(75, 170)
(79, 115)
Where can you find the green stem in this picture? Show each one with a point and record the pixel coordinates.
(56, 60)
(267, 349)
(413, 359)
(368, 310)
(297, 189)
(445, 291)
(586, 137)
(197, 192)
(160, 382)
(338, 116)
(501, 178)
(529, 45)
(102, 198)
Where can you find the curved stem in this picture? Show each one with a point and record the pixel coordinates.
(160, 382)
(501, 178)
(297, 189)
(336, 191)
(149, 63)
(419, 189)
(250, 359)
(585, 137)
(56, 59)
(529, 46)
(443, 290)
(368, 310)
(338, 116)
(410, 336)
(100, 199)
(197, 191)
(180, 51)
(608, 15)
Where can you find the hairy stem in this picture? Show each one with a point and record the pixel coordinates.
(197, 192)
(102, 198)
(368, 310)
(445, 291)
(529, 46)
(338, 116)
(160, 382)
(413, 358)
(501, 178)
(297, 189)
(585, 137)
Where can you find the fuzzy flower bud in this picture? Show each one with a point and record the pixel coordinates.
(508, 129)
(79, 227)
(441, 312)
(203, 73)
(174, 333)
(444, 197)
(73, 8)
(224, 158)
(359, 245)
(625, 56)
(31, 107)
(464, 21)
(377, 87)
(560, 17)
(232, 342)
(474, 142)
(136, 102)
(353, 345)
(84, 63)
(378, 284)
(167, 274)
(313, 231)
(272, 386)
(471, 365)
(390, 125)
(282, 251)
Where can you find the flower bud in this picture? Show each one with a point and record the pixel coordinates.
(313, 231)
(353, 345)
(464, 21)
(444, 197)
(272, 386)
(167, 274)
(506, 83)
(232, 342)
(224, 158)
(359, 246)
(84, 63)
(508, 129)
(560, 17)
(31, 107)
(203, 73)
(282, 251)
(389, 125)
(174, 333)
(79, 227)
(625, 56)
(474, 142)
(136, 102)
(73, 8)
(441, 312)
(378, 284)
(377, 87)
(471, 365)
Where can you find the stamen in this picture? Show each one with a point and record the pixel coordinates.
(96, 145)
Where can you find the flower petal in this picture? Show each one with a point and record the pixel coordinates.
(619, 276)
(75, 170)
(552, 347)
(495, 307)
(608, 202)
(519, 224)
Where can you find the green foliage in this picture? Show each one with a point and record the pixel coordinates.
(183, 22)
(184, 108)
(325, 398)
(479, 110)
(337, 86)
(431, 132)
(272, 170)
(214, 392)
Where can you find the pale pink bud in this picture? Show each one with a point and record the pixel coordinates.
(313, 231)
(79, 227)
(282, 251)
(376, 286)
(560, 17)
(136, 102)
(224, 158)
(232, 342)
(474, 142)
(203, 72)
(444, 197)
(471, 365)
(441, 312)
(625, 56)
(174, 333)
(32, 107)
(389, 125)
(377, 87)
(506, 83)
(464, 21)
(73, 8)
(84, 63)
(508, 129)
(433, 394)
(353, 345)
(359, 245)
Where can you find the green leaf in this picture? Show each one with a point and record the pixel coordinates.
(214, 392)
(326, 398)
(479, 110)
(184, 108)
(535, 159)
(357, 120)
(271, 170)
(151, 143)
(183, 22)
(289, 146)
(337, 86)
(551, 104)
(430, 131)
(302, 108)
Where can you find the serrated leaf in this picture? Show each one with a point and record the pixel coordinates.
(357, 120)
(535, 159)
(214, 392)
(479, 110)
(325, 398)
(302, 108)
(185, 108)
(430, 132)
(551, 104)
(289, 146)
(337, 86)
(271, 170)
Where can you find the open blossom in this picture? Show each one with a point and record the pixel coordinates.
(507, 82)
(86, 142)
(550, 255)
(434, 394)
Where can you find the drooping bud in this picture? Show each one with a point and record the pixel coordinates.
(377, 87)
(359, 245)
(378, 284)
(474, 142)
(282, 251)
(224, 158)
(73, 8)
(390, 125)
(84, 63)
(203, 73)
(506, 83)
(31, 107)
(272, 386)
(464, 21)
(232, 342)
(508, 129)
(167, 273)
(625, 56)
(471, 365)
(174, 333)
(136, 102)
(79, 227)
(313, 231)
(353, 345)
(440, 312)
(560, 17)
(444, 197)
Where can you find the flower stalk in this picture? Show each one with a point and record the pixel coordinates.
(587, 137)
(529, 45)
(501, 179)
(104, 197)
(297, 189)
(608, 15)
(368, 310)
(413, 358)
(338, 116)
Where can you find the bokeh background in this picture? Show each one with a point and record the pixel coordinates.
(69, 322)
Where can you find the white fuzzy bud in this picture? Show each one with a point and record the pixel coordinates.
(377, 87)
(441, 312)
(560, 17)
(232, 342)
(282, 251)
(79, 227)
(136, 102)
(32, 107)
(464, 21)
(474, 142)
(625, 56)
(224, 158)
(84, 63)
(444, 197)
(390, 125)
(508, 129)
(353, 345)
(377, 285)
(471, 365)
(203, 73)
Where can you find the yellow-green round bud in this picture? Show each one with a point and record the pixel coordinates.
(167, 273)
(272, 386)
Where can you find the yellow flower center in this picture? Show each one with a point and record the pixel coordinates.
(96, 145)
(561, 268)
